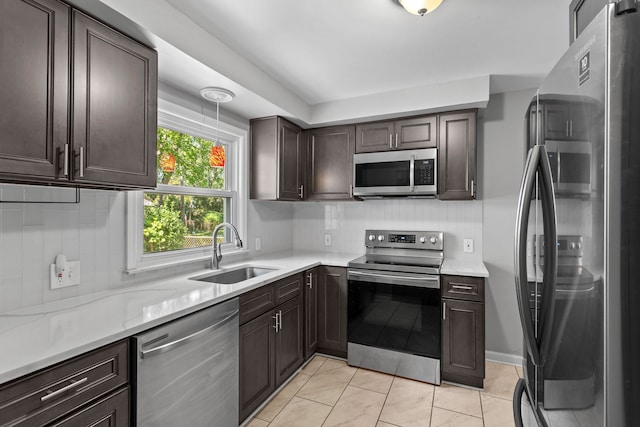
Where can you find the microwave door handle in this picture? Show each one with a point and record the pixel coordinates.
(520, 252)
(412, 169)
(550, 268)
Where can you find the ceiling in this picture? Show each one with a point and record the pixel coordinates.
(333, 61)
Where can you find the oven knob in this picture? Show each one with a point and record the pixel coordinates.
(423, 239)
(433, 240)
(381, 238)
(572, 245)
(579, 245)
(372, 237)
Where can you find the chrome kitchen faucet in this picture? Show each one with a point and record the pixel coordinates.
(217, 248)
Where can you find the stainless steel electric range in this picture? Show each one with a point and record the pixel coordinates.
(394, 310)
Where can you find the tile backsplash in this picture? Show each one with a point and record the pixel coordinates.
(346, 222)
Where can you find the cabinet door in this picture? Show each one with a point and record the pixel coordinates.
(114, 107)
(289, 341)
(112, 411)
(463, 341)
(419, 132)
(457, 156)
(311, 312)
(34, 88)
(257, 362)
(332, 311)
(376, 136)
(556, 121)
(330, 160)
(291, 173)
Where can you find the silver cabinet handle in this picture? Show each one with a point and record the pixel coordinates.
(465, 287)
(570, 127)
(310, 281)
(473, 188)
(390, 142)
(65, 168)
(51, 394)
(81, 162)
(396, 140)
(566, 127)
(146, 354)
(444, 310)
(276, 319)
(301, 191)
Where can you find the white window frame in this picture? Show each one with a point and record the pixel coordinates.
(184, 120)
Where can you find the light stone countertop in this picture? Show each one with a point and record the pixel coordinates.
(36, 337)
(462, 267)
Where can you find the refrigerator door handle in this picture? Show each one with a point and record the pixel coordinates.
(520, 252)
(550, 271)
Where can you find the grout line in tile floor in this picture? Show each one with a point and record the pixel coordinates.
(454, 405)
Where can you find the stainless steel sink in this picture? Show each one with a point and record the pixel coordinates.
(237, 275)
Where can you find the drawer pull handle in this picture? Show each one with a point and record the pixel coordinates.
(463, 287)
(51, 394)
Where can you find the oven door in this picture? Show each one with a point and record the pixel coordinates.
(394, 311)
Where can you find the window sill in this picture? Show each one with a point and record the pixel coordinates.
(159, 265)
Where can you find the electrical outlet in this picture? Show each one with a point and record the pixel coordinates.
(327, 239)
(70, 276)
(258, 243)
(468, 245)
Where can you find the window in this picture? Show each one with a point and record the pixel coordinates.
(198, 176)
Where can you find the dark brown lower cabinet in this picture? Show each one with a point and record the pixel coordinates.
(271, 344)
(289, 343)
(311, 312)
(91, 389)
(332, 311)
(463, 335)
(111, 411)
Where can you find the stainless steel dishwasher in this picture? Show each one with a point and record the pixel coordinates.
(186, 372)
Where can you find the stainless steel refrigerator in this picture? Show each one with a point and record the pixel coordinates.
(577, 244)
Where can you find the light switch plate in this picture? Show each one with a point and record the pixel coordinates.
(327, 239)
(69, 277)
(468, 245)
(258, 243)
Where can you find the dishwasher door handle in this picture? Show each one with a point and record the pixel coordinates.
(146, 354)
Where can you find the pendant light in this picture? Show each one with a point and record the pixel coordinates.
(217, 95)
(420, 7)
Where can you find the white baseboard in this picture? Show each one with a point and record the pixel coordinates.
(509, 359)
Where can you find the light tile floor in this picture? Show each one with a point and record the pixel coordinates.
(328, 393)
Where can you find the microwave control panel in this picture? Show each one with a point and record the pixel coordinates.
(424, 172)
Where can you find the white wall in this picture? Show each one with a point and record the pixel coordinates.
(346, 222)
(502, 158)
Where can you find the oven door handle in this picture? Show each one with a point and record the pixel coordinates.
(420, 281)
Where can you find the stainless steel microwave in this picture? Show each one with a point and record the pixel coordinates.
(412, 173)
(572, 167)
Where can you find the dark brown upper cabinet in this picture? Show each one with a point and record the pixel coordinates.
(406, 134)
(330, 163)
(277, 160)
(566, 121)
(114, 107)
(34, 88)
(457, 156)
(112, 116)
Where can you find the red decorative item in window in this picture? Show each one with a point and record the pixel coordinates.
(217, 156)
(167, 162)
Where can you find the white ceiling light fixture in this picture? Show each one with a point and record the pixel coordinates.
(217, 95)
(420, 7)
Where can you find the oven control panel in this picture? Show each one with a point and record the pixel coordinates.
(428, 240)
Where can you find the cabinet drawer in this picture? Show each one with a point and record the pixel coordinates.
(44, 396)
(288, 288)
(256, 302)
(462, 287)
(112, 411)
